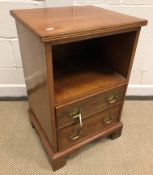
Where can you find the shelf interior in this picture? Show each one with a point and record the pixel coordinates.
(87, 67)
(75, 78)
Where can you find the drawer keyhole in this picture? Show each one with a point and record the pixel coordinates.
(76, 115)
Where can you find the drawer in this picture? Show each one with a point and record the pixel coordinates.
(74, 133)
(67, 114)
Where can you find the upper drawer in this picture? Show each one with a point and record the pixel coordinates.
(90, 105)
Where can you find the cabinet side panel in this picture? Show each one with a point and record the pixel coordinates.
(35, 72)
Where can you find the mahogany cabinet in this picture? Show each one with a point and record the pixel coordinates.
(77, 63)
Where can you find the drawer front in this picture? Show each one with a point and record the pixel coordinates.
(74, 133)
(67, 114)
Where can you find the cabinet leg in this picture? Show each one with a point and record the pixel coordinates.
(30, 113)
(58, 163)
(32, 126)
(116, 134)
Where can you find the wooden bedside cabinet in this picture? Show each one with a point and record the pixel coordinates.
(77, 62)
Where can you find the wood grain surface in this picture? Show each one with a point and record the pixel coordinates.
(54, 23)
(72, 57)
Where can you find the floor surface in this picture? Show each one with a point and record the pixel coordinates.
(21, 151)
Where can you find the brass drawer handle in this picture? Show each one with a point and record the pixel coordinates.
(112, 98)
(75, 112)
(108, 119)
(76, 133)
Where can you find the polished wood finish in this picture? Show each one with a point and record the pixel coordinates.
(91, 125)
(115, 54)
(77, 63)
(59, 157)
(58, 23)
(73, 76)
(36, 61)
(89, 105)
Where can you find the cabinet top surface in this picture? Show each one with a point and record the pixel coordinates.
(64, 22)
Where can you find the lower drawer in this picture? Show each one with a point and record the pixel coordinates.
(74, 133)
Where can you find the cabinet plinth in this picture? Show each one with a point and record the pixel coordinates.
(77, 63)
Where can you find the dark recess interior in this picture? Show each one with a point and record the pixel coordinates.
(89, 66)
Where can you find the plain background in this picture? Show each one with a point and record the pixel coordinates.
(11, 74)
